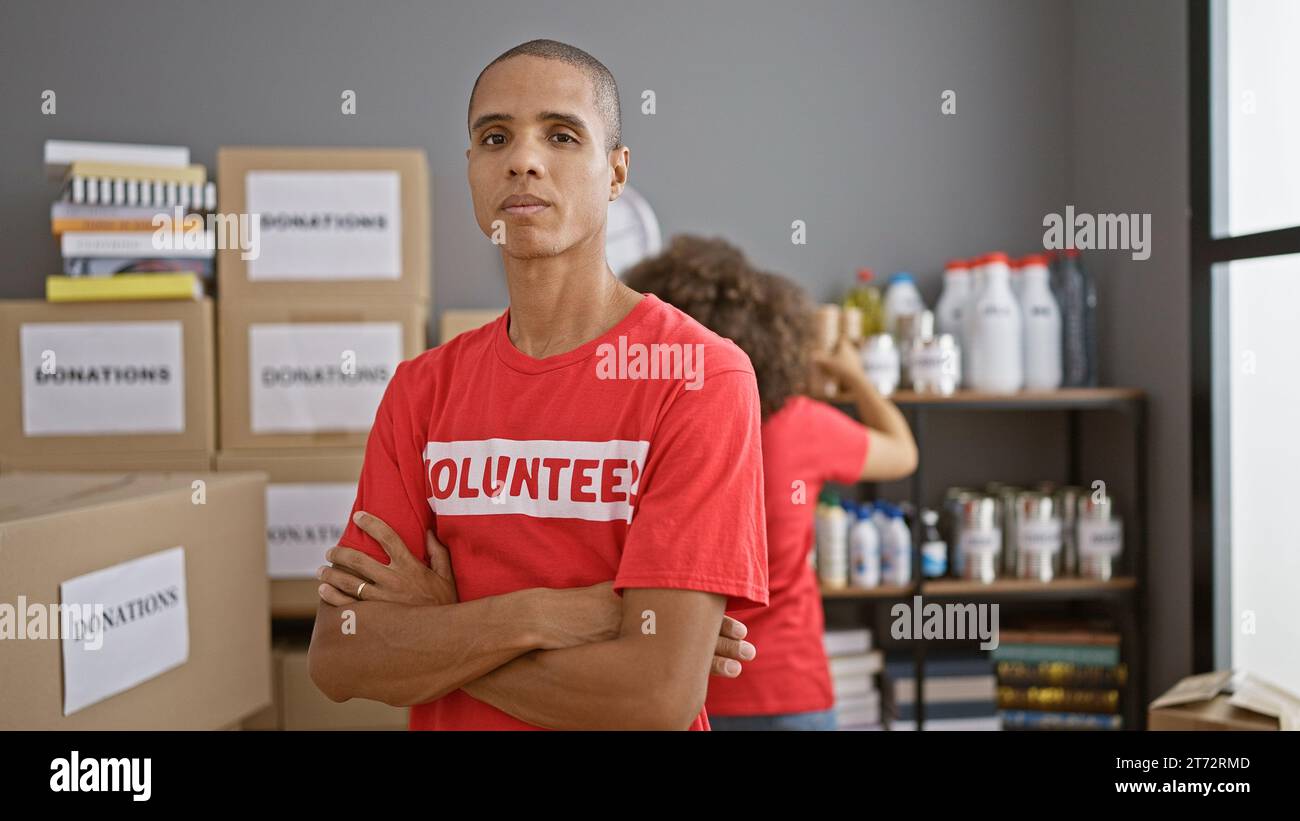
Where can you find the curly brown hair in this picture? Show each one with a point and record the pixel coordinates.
(769, 317)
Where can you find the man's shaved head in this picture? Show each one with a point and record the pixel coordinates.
(604, 89)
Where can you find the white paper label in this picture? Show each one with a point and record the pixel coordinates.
(93, 378)
(320, 377)
(981, 541)
(1100, 538)
(327, 225)
(302, 522)
(144, 630)
(1038, 536)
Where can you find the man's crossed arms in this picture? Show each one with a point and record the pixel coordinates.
(559, 658)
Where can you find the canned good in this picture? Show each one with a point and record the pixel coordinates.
(909, 330)
(951, 523)
(880, 361)
(828, 335)
(980, 544)
(1067, 503)
(1038, 536)
(936, 365)
(851, 324)
(1100, 537)
(1006, 513)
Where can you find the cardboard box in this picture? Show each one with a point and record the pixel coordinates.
(305, 707)
(309, 499)
(299, 705)
(329, 226)
(57, 530)
(105, 378)
(1222, 700)
(457, 321)
(282, 370)
(178, 462)
(1215, 714)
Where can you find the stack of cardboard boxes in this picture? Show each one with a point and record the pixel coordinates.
(315, 311)
(311, 329)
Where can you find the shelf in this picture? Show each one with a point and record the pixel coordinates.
(1013, 589)
(1003, 589)
(884, 591)
(1064, 399)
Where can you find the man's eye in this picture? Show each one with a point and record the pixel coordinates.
(488, 139)
(568, 138)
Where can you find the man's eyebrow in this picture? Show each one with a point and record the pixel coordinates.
(572, 120)
(489, 119)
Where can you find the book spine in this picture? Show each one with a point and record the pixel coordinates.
(1074, 654)
(1058, 699)
(1060, 674)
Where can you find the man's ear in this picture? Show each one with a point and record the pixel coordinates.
(619, 159)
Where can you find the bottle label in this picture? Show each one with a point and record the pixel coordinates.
(1100, 538)
(1040, 536)
(981, 541)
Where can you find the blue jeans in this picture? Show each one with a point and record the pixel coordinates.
(817, 720)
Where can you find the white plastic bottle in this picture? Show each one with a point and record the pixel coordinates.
(1016, 276)
(952, 302)
(901, 297)
(970, 342)
(1042, 321)
(864, 550)
(999, 332)
(896, 549)
(832, 545)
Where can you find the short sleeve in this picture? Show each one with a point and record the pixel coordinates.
(838, 441)
(698, 522)
(392, 484)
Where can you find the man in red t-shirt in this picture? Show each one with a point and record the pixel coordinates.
(592, 441)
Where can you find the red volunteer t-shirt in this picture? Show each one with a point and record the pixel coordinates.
(606, 469)
(810, 442)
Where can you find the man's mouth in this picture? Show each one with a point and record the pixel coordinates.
(521, 204)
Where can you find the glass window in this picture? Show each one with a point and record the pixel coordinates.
(1257, 450)
(1256, 75)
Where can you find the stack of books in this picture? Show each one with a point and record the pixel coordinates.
(1060, 678)
(854, 666)
(960, 691)
(131, 222)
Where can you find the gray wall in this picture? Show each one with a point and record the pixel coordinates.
(1130, 155)
(828, 112)
(766, 113)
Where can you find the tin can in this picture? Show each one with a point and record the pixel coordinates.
(851, 324)
(1100, 537)
(981, 539)
(936, 365)
(1006, 512)
(880, 361)
(1067, 505)
(1038, 536)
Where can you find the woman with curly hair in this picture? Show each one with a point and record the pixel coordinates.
(806, 443)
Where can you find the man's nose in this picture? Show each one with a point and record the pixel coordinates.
(526, 159)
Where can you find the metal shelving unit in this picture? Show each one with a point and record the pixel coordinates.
(1122, 597)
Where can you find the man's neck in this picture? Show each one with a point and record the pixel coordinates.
(562, 302)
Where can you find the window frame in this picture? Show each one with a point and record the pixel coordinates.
(1205, 31)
